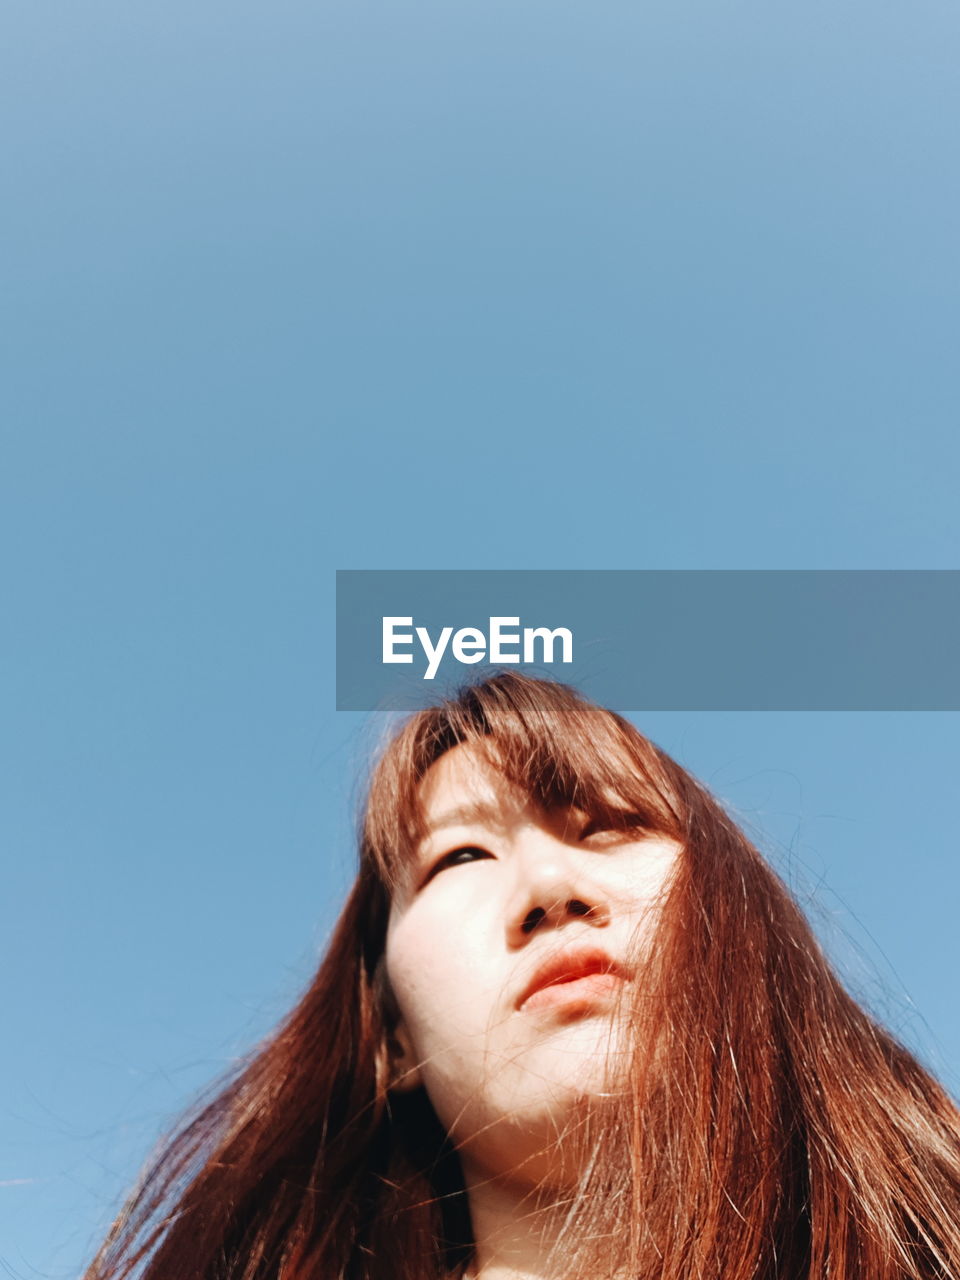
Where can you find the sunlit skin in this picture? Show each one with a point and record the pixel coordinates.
(497, 888)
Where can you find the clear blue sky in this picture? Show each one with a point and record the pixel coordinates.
(296, 287)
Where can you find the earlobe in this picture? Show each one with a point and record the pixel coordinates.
(403, 1073)
(397, 1064)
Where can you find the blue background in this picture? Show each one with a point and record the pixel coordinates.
(296, 287)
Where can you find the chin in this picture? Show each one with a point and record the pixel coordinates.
(583, 1055)
(527, 1122)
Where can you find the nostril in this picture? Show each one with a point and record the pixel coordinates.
(577, 908)
(532, 919)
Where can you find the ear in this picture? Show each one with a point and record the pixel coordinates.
(403, 1069)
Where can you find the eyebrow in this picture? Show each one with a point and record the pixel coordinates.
(481, 812)
(464, 815)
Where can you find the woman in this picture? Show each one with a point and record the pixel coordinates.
(569, 1024)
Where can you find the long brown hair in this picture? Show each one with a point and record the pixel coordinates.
(772, 1131)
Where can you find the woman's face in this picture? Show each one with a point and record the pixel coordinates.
(509, 955)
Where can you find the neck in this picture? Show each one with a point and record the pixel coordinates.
(518, 1230)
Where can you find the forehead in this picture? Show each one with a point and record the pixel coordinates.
(462, 771)
(464, 787)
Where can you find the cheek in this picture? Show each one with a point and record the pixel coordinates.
(645, 874)
(422, 979)
(441, 983)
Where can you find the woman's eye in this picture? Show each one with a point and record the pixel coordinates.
(458, 857)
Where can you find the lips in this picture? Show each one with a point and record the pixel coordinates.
(569, 969)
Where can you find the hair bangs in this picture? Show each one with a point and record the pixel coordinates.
(545, 740)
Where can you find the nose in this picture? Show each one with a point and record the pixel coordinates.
(552, 888)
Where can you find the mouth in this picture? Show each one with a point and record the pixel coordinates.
(584, 976)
